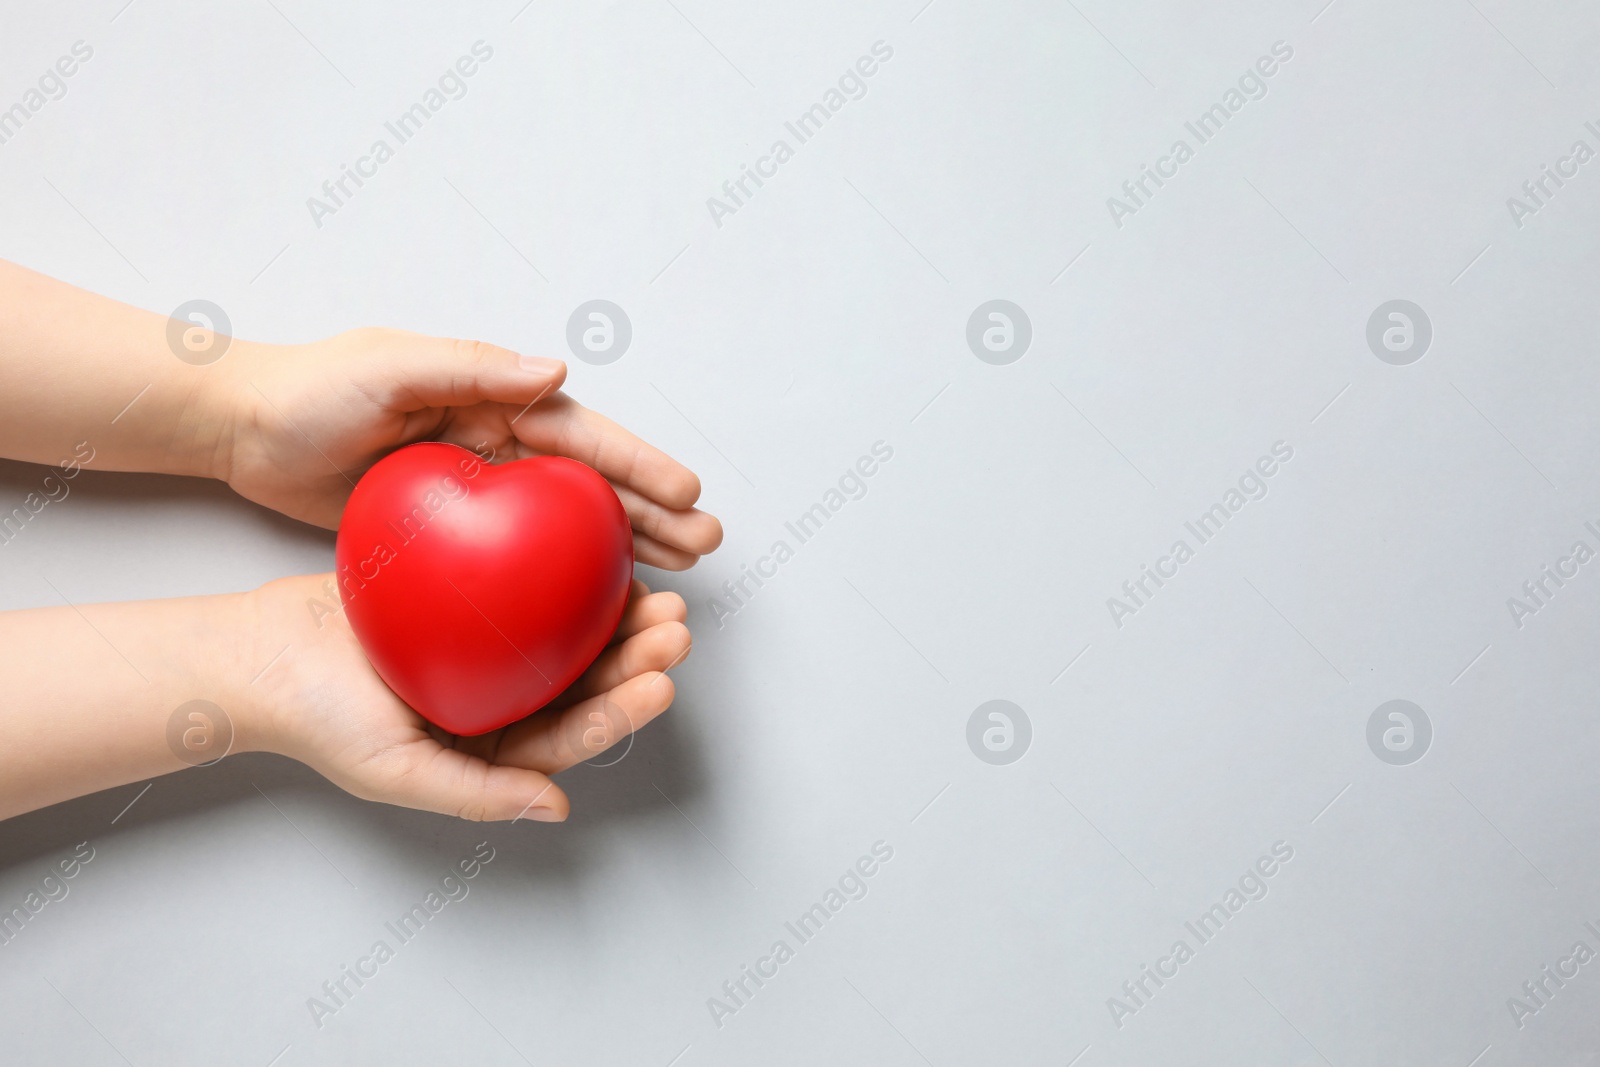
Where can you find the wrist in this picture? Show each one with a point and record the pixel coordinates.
(286, 638)
(222, 411)
(225, 665)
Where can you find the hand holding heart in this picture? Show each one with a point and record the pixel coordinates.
(311, 420)
(323, 704)
(306, 421)
(513, 591)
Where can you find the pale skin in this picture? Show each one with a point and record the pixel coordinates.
(89, 689)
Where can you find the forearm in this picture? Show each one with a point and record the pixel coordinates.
(82, 374)
(90, 693)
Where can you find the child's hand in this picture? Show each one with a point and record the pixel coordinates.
(293, 427)
(322, 703)
(305, 421)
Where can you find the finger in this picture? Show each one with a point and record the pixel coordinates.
(415, 372)
(551, 744)
(647, 611)
(659, 648)
(481, 746)
(428, 776)
(689, 529)
(636, 589)
(653, 553)
(564, 427)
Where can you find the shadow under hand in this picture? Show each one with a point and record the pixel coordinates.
(626, 784)
(103, 536)
(175, 536)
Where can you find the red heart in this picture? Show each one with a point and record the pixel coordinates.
(481, 592)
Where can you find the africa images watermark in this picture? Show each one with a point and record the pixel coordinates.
(1538, 591)
(999, 732)
(599, 332)
(1538, 191)
(1251, 887)
(406, 527)
(199, 332)
(53, 489)
(52, 888)
(1137, 592)
(1538, 991)
(50, 86)
(852, 485)
(999, 332)
(450, 86)
(337, 992)
(1252, 85)
(1399, 332)
(1399, 732)
(737, 992)
(852, 85)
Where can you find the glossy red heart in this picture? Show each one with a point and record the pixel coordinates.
(480, 592)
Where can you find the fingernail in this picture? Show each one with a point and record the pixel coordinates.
(540, 365)
(544, 815)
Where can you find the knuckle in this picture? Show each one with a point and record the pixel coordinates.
(665, 691)
(476, 353)
(474, 810)
(654, 520)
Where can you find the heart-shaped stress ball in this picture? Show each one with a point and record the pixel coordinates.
(480, 592)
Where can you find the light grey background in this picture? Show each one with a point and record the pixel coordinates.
(770, 352)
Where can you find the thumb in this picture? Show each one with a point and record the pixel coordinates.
(425, 372)
(428, 776)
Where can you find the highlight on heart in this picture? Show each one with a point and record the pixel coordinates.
(408, 525)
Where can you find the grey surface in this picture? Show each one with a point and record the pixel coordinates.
(832, 710)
